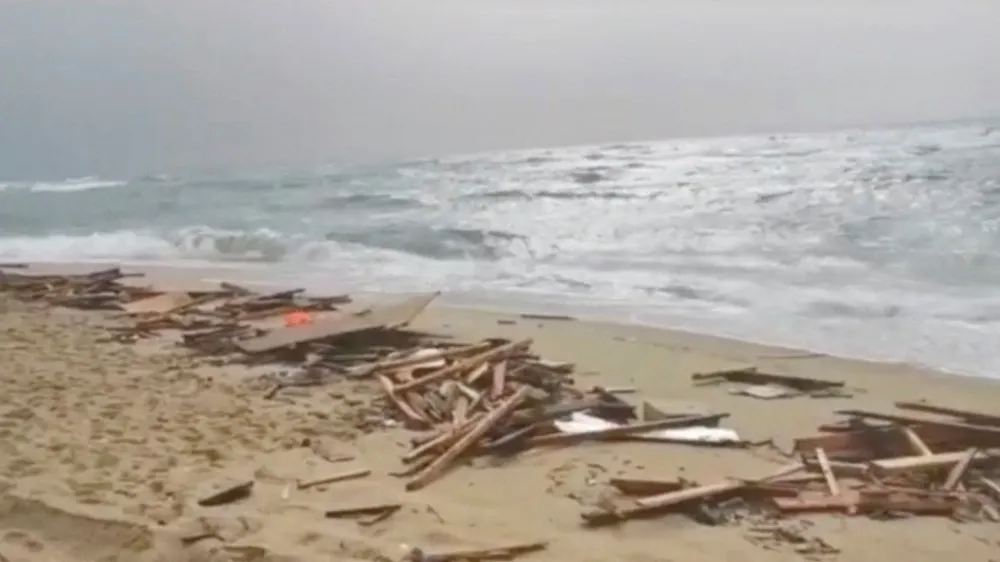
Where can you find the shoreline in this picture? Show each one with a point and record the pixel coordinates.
(141, 431)
(200, 277)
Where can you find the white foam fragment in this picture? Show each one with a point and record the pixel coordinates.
(582, 423)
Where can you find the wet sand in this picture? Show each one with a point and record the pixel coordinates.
(105, 448)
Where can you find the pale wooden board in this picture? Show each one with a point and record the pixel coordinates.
(388, 316)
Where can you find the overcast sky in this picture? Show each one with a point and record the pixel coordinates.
(134, 86)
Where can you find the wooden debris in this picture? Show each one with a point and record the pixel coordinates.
(352, 475)
(892, 470)
(466, 441)
(751, 376)
(963, 415)
(498, 397)
(354, 511)
(394, 316)
(229, 494)
(475, 555)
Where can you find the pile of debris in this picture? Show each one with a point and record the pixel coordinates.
(901, 466)
(498, 397)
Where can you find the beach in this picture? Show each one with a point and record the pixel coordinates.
(105, 448)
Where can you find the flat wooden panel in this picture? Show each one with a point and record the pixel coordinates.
(390, 316)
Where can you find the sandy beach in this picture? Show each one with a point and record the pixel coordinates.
(105, 448)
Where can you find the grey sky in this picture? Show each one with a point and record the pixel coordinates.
(133, 86)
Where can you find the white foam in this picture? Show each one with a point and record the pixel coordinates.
(68, 185)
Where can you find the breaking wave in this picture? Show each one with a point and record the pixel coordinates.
(881, 243)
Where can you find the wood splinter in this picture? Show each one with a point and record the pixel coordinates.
(436, 468)
(355, 511)
(228, 495)
(476, 555)
(354, 474)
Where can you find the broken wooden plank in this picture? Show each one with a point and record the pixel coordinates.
(653, 504)
(354, 511)
(750, 375)
(441, 464)
(464, 365)
(352, 475)
(910, 420)
(925, 462)
(226, 495)
(918, 444)
(380, 516)
(824, 466)
(958, 471)
(874, 442)
(382, 317)
(477, 555)
(964, 415)
(418, 359)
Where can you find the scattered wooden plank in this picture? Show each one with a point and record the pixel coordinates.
(389, 316)
(229, 494)
(824, 465)
(750, 375)
(478, 554)
(959, 470)
(352, 475)
(354, 511)
(465, 365)
(925, 462)
(437, 468)
(653, 504)
(918, 444)
(964, 415)
(910, 420)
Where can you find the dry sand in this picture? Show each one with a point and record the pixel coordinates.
(105, 447)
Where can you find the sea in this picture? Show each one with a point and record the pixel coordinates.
(881, 244)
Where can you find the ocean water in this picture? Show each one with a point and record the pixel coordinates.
(882, 243)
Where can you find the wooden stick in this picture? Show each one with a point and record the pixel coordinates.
(400, 404)
(480, 554)
(443, 439)
(824, 466)
(227, 495)
(973, 429)
(499, 379)
(652, 504)
(967, 416)
(392, 364)
(361, 510)
(436, 468)
(464, 365)
(335, 478)
(959, 470)
(916, 442)
(923, 462)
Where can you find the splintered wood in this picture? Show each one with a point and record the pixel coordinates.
(909, 466)
(499, 397)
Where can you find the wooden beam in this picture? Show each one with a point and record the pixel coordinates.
(381, 317)
(964, 415)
